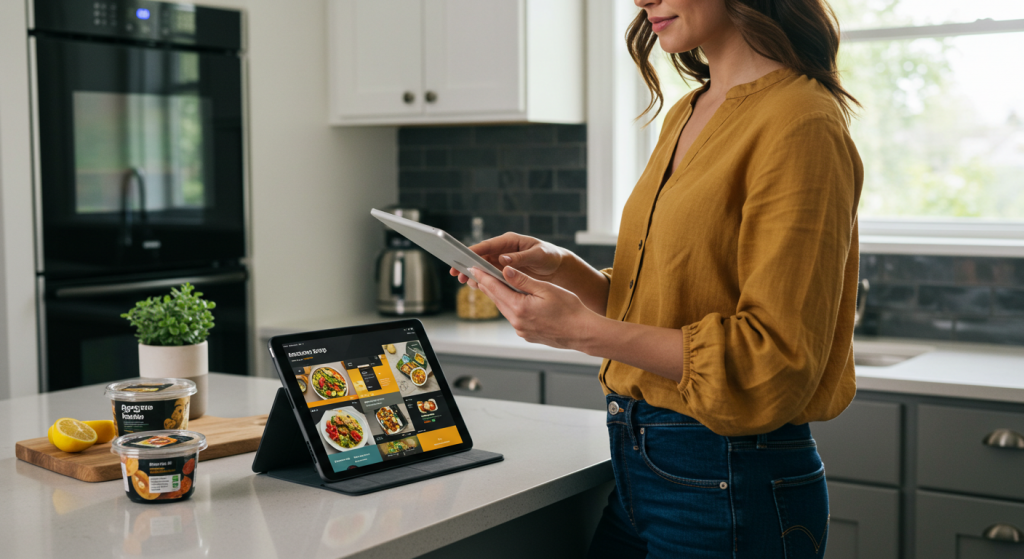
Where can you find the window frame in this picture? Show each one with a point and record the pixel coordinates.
(617, 150)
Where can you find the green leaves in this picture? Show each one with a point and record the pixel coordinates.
(181, 318)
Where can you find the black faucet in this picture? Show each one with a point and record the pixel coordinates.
(127, 215)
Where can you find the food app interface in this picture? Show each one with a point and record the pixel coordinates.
(373, 397)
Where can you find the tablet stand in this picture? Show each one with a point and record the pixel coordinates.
(282, 454)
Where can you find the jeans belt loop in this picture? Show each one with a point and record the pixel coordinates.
(630, 406)
(762, 441)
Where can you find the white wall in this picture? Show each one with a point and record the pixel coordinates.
(311, 186)
(18, 360)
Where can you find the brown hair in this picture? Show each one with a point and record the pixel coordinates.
(800, 34)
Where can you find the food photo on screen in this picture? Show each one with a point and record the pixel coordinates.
(345, 433)
(409, 364)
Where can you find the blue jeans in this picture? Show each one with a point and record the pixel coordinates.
(682, 491)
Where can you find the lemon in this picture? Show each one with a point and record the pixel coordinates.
(49, 435)
(105, 430)
(71, 435)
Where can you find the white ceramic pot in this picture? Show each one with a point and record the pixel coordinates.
(184, 361)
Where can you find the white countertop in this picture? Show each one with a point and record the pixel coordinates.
(958, 370)
(551, 453)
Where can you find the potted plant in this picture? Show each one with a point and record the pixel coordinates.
(172, 332)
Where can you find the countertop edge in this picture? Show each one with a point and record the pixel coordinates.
(470, 523)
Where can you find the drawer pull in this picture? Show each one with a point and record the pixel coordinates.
(1005, 438)
(1003, 533)
(468, 383)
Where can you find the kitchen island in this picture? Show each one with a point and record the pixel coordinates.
(543, 500)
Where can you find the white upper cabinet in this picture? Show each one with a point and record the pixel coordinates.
(452, 61)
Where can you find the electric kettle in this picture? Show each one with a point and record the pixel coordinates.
(408, 279)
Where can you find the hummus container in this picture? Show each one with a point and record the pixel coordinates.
(159, 466)
(150, 404)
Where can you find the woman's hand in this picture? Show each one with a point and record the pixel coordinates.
(537, 258)
(544, 313)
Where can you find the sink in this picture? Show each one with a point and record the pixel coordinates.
(885, 354)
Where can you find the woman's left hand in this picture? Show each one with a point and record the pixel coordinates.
(544, 313)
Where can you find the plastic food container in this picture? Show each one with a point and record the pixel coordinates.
(150, 404)
(159, 466)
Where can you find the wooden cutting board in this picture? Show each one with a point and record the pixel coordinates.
(225, 437)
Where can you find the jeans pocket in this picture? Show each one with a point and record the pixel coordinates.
(675, 457)
(802, 505)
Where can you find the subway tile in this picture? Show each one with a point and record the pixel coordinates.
(568, 202)
(457, 201)
(990, 330)
(1018, 272)
(484, 202)
(572, 133)
(496, 224)
(572, 179)
(546, 156)
(598, 256)
(515, 134)
(870, 267)
(569, 224)
(1006, 301)
(435, 202)
(514, 202)
(888, 296)
(474, 157)
(435, 136)
(955, 300)
(510, 179)
(433, 157)
(430, 179)
(410, 198)
(485, 178)
(540, 225)
(410, 158)
(914, 325)
(542, 179)
(917, 269)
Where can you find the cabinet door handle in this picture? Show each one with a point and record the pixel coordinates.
(1003, 533)
(430, 97)
(469, 383)
(1005, 438)
(408, 97)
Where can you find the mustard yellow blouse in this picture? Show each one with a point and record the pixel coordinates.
(749, 247)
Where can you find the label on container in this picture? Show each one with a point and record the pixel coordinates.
(164, 484)
(155, 415)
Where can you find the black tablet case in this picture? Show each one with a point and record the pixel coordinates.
(282, 454)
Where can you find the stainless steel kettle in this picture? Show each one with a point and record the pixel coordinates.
(408, 280)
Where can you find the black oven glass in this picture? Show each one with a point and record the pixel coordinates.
(141, 156)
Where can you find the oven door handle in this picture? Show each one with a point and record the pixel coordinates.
(117, 288)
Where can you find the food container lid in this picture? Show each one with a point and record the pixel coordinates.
(149, 389)
(149, 445)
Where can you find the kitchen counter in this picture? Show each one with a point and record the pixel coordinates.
(959, 370)
(553, 455)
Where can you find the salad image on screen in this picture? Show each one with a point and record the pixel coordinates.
(344, 430)
(328, 383)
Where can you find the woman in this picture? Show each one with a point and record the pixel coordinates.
(726, 322)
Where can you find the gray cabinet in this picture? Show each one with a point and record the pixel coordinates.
(971, 451)
(960, 527)
(573, 390)
(488, 378)
(864, 522)
(863, 444)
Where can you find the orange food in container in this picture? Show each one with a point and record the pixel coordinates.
(159, 466)
(150, 404)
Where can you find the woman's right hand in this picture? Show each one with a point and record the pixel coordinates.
(539, 259)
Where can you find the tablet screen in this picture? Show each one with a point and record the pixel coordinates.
(372, 397)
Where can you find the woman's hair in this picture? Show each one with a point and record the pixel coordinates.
(800, 34)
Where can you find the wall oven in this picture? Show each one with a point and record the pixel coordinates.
(140, 179)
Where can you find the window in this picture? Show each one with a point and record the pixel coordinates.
(941, 132)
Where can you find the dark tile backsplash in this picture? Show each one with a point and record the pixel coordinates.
(967, 299)
(532, 179)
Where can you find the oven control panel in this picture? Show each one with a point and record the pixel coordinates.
(141, 20)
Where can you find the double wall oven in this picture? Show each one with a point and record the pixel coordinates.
(140, 177)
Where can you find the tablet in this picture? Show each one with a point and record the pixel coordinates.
(440, 244)
(369, 398)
